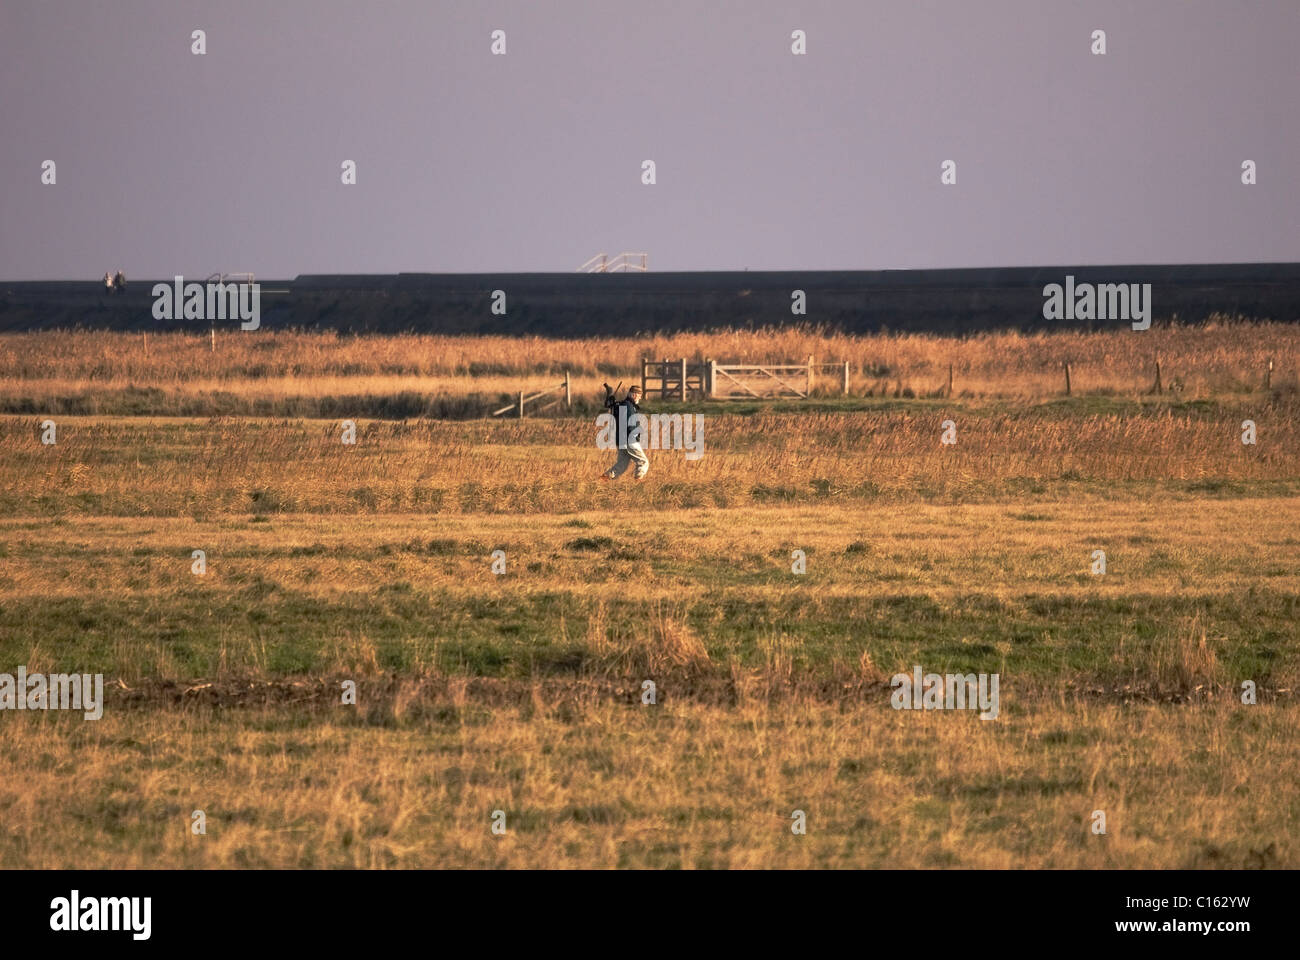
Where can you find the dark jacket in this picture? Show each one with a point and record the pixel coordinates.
(629, 411)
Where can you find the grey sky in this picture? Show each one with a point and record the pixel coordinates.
(173, 163)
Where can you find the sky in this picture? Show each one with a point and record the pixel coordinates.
(168, 163)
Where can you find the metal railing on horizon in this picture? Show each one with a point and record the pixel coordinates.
(623, 263)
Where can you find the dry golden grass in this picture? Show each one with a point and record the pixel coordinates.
(592, 785)
(1215, 548)
(520, 692)
(198, 467)
(1221, 356)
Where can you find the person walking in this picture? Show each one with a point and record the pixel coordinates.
(629, 424)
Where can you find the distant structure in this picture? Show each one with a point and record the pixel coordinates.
(244, 277)
(623, 263)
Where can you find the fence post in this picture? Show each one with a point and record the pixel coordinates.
(1066, 364)
(1268, 375)
(521, 404)
(683, 379)
(950, 380)
(810, 375)
(713, 377)
(212, 333)
(568, 392)
(643, 378)
(846, 378)
(1159, 387)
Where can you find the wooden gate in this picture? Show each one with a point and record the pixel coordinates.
(765, 381)
(675, 379)
(683, 379)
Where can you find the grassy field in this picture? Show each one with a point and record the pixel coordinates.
(601, 784)
(522, 692)
(286, 374)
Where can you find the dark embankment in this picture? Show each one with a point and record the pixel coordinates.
(579, 305)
